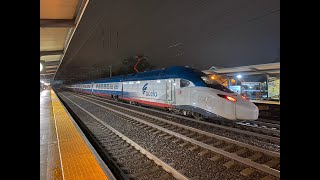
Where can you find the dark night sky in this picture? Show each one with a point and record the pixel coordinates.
(198, 33)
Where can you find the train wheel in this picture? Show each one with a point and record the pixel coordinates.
(197, 116)
(116, 98)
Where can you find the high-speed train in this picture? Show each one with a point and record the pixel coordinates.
(184, 90)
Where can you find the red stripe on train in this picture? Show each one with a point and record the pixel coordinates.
(163, 105)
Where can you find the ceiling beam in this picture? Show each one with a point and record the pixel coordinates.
(47, 53)
(57, 23)
(51, 68)
(45, 74)
(51, 63)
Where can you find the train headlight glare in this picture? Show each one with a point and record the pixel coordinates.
(244, 97)
(230, 98)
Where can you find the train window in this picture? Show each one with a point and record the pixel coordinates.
(184, 83)
(215, 85)
(108, 86)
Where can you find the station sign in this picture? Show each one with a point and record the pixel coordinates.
(274, 88)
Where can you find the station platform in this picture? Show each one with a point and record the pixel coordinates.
(268, 109)
(265, 102)
(65, 152)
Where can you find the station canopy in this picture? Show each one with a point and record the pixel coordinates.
(268, 69)
(58, 21)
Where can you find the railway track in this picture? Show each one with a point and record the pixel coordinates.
(267, 135)
(214, 147)
(134, 161)
(275, 127)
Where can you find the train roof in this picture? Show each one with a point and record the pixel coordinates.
(165, 73)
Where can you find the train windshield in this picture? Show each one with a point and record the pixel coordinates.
(214, 84)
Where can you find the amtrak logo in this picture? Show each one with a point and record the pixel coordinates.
(144, 88)
(148, 93)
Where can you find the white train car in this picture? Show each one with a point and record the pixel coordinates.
(181, 89)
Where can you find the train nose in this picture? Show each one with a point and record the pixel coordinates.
(246, 110)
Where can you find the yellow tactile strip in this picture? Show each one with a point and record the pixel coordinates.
(78, 162)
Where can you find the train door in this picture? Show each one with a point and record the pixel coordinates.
(169, 94)
(92, 84)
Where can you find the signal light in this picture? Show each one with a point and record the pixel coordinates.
(228, 97)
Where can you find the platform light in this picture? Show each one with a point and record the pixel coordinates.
(41, 67)
(212, 77)
(42, 81)
(239, 76)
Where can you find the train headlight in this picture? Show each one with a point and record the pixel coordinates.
(230, 98)
(244, 97)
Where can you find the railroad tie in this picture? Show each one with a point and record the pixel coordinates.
(177, 140)
(272, 162)
(148, 128)
(122, 150)
(124, 155)
(191, 134)
(157, 132)
(228, 147)
(194, 178)
(241, 151)
(153, 170)
(267, 178)
(171, 164)
(198, 137)
(216, 158)
(255, 156)
(109, 140)
(167, 125)
(184, 144)
(203, 153)
(217, 143)
(163, 177)
(184, 132)
(247, 171)
(133, 159)
(182, 171)
(207, 140)
(163, 134)
(168, 137)
(229, 164)
(116, 143)
(152, 129)
(118, 147)
(138, 165)
(142, 126)
(193, 148)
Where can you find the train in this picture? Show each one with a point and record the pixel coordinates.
(179, 89)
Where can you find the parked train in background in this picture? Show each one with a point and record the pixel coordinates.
(184, 90)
